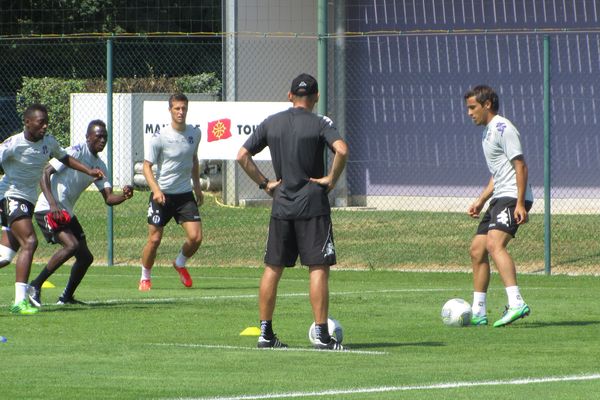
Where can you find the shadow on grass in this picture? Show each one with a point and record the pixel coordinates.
(559, 323)
(141, 303)
(356, 346)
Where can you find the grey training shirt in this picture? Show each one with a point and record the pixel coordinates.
(296, 139)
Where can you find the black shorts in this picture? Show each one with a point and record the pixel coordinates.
(311, 238)
(50, 235)
(14, 208)
(182, 207)
(500, 216)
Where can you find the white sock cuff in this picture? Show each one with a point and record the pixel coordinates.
(146, 273)
(181, 259)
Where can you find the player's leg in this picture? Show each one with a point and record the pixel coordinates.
(497, 242)
(64, 236)
(481, 278)
(155, 234)
(317, 250)
(281, 251)
(267, 298)
(193, 240)
(83, 259)
(186, 213)
(319, 295)
(22, 229)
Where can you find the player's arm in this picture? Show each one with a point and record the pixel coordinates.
(476, 207)
(244, 158)
(47, 189)
(77, 165)
(112, 199)
(157, 194)
(340, 149)
(196, 181)
(521, 172)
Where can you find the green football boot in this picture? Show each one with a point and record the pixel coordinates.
(512, 314)
(24, 308)
(479, 321)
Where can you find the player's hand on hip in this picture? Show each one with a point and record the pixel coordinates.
(271, 186)
(325, 182)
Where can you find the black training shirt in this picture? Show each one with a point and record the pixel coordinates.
(296, 139)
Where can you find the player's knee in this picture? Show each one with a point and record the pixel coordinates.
(154, 241)
(494, 246)
(31, 243)
(197, 239)
(6, 255)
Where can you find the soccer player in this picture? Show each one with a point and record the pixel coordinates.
(175, 152)
(66, 186)
(511, 199)
(300, 216)
(23, 157)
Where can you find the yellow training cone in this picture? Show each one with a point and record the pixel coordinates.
(48, 285)
(250, 331)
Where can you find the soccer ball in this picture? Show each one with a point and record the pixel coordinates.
(456, 312)
(335, 330)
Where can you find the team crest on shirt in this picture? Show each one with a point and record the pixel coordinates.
(44, 149)
(190, 140)
(24, 208)
(501, 126)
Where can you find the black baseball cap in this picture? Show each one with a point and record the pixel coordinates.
(304, 85)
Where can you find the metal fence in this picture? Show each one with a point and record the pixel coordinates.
(396, 97)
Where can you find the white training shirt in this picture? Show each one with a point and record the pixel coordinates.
(172, 152)
(67, 184)
(23, 162)
(502, 143)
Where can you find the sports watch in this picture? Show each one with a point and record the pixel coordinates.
(263, 184)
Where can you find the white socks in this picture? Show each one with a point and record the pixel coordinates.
(479, 306)
(146, 273)
(181, 259)
(479, 300)
(514, 297)
(20, 291)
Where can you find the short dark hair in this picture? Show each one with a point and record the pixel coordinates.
(177, 97)
(96, 122)
(483, 93)
(34, 108)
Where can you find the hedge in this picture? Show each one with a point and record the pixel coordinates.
(55, 93)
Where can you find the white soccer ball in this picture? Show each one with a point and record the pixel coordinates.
(335, 330)
(456, 312)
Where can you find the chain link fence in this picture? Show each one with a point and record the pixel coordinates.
(415, 163)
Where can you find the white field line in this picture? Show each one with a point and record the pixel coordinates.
(298, 349)
(254, 296)
(382, 389)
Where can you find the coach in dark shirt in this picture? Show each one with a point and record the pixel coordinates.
(301, 216)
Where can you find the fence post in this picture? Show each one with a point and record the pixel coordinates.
(109, 144)
(547, 156)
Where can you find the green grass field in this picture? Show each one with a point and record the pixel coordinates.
(364, 239)
(174, 342)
